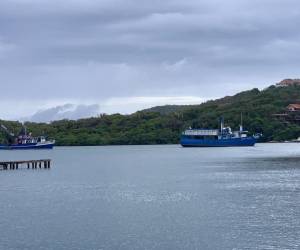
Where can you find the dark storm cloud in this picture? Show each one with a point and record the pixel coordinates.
(97, 50)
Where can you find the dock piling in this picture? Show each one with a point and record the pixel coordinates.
(5, 165)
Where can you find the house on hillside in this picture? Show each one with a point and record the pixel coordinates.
(293, 107)
(288, 82)
(290, 115)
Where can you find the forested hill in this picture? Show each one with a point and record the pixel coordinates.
(167, 109)
(161, 125)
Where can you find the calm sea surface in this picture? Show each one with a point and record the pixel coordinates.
(153, 197)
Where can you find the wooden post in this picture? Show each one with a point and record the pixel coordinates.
(34, 164)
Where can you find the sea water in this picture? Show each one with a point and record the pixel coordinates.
(153, 197)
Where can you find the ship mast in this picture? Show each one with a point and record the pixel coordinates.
(241, 124)
(222, 123)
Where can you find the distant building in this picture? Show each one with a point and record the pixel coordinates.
(288, 82)
(293, 107)
(291, 114)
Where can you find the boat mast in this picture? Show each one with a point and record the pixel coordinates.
(5, 129)
(23, 130)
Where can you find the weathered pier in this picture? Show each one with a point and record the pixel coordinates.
(34, 164)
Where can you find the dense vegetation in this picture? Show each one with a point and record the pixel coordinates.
(161, 125)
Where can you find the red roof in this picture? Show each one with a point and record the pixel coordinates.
(287, 82)
(294, 106)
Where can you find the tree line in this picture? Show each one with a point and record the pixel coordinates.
(163, 125)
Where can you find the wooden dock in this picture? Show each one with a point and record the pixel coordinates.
(33, 164)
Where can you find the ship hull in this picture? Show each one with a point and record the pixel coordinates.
(28, 146)
(231, 142)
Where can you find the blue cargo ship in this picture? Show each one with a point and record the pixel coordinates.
(223, 137)
(25, 141)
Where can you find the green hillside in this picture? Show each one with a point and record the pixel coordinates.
(161, 125)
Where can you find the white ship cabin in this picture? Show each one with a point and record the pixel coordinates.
(228, 133)
(202, 133)
(30, 140)
(26, 141)
(41, 139)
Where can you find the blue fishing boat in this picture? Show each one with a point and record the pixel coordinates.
(223, 137)
(25, 141)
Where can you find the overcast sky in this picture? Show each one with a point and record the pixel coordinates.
(124, 55)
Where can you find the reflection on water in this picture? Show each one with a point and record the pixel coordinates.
(153, 197)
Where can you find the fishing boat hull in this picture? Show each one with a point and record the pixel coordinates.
(226, 142)
(49, 145)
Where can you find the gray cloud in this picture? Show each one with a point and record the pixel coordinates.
(92, 51)
(67, 111)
